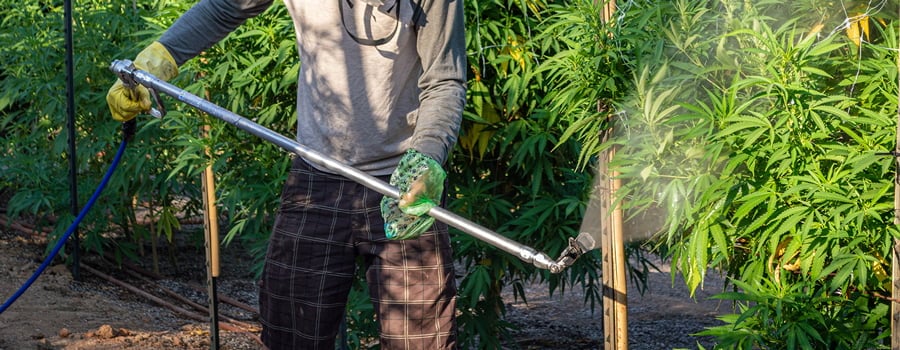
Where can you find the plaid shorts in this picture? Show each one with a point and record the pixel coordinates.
(325, 222)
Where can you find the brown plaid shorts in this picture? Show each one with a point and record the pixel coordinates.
(325, 222)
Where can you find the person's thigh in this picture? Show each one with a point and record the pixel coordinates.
(309, 265)
(412, 286)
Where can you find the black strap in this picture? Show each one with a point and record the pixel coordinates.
(364, 41)
(418, 12)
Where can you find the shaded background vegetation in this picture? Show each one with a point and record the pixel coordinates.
(748, 134)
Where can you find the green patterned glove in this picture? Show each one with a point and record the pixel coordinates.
(420, 180)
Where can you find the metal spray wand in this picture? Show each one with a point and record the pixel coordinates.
(128, 73)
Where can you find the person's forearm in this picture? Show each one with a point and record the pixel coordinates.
(442, 48)
(206, 23)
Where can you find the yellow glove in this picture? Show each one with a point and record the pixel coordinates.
(125, 103)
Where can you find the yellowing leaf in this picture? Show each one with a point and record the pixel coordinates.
(515, 48)
(880, 272)
(858, 28)
(476, 138)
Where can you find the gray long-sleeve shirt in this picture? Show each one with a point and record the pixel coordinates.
(363, 105)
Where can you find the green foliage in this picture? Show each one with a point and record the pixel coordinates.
(167, 156)
(585, 69)
(252, 72)
(799, 315)
(755, 131)
(502, 160)
(33, 114)
(515, 170)
(747, 135)
(480, 173)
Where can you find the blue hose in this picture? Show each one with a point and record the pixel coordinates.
(65, 237)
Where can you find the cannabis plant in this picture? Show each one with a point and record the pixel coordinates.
(755, 129)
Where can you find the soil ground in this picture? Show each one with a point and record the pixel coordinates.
(58, 312)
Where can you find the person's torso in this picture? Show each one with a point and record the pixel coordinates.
(358, 93)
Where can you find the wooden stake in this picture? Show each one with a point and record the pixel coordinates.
(609, 298)
(609, 7)
(211, 229)
(210, 217)
(612, 243)
(618, 257)
(612, 248)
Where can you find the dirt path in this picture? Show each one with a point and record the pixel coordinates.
(663, 318)
(60, 313)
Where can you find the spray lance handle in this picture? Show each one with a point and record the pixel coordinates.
(126, 71)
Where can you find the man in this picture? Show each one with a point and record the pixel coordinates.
(381, 88)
